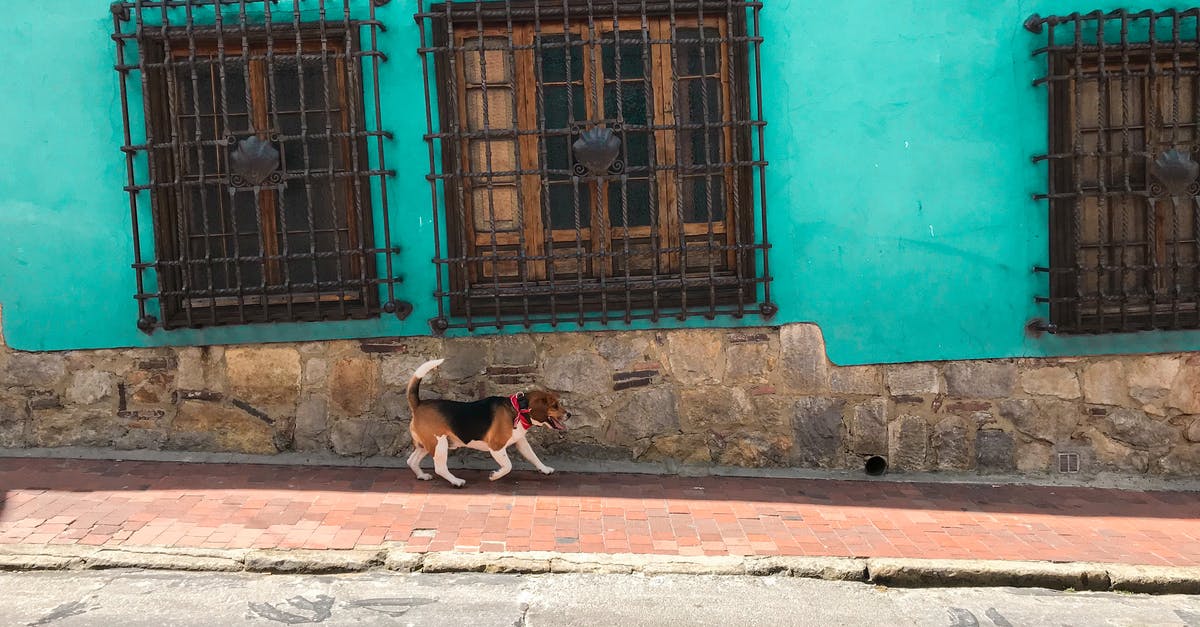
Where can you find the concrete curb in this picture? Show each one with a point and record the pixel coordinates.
(894, 572)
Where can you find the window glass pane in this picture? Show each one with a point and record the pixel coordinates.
(704, 199)
(636, 202)
(696, 59)
(555, 50)
(567, 199)
(633, 57)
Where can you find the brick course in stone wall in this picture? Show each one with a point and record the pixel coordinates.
(750, 397)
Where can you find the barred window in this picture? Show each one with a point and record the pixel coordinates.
(258, 173)
(599, 160)
(1124, 144)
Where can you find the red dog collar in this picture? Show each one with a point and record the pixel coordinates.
(522, 418)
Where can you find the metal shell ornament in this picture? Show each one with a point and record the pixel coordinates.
(596, 150)
(254, 162)
(1176, 170)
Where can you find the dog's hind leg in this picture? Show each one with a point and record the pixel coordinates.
(439, 462)
(414, 462)
(501, 457)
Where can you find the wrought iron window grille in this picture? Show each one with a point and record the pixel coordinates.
(595, 160)
(1124, 110)
(259, 152)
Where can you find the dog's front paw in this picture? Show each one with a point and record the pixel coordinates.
(546, 470)
(424, 476)
(458, 483)
(496, 475)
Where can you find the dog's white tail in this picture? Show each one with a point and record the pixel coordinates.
(414, 384)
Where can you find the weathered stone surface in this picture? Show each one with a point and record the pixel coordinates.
(716, 409)
(316, 371)
(1193, 431)
(14, 423)
(688, 448)
(696, 357)
(1112, 454)
(91, 386)
(360, 436)
(1151, 377)
(855, 380)
(910, 443)
(141, 439)
(802, 358)
(753, 452)
(398, 369)
(465, 358)
(312, 425)
(980, 379)
(41, 370)
(517, 350)
(644, 414)
(912, 379)
(1183, 459)
(749, 362)
(76, 428)
(1033, 456)
(200, 368)
(578, 373)
(354, 385)
(1104, 383)
(950, 444)
(1053, 381)
(148, 387)
(1046, 420)
(868, 428)
(622, 350)
(994, 451)
(225, 428)
(817, 424)
(1185, 392)
(264, 375)
(1136, 429)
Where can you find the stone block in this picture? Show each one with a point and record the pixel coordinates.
(696, 356)
(862, 380)
(354, 385)
(980, 379)
(1045, 419)
(950, 444)
(1193, 431)
(40, 370)
(716, 409)
(582, 372)
(14, 423)
(643, 414)
(316, 371)
(1151, 378)
(912, 379)
(465, 358)
(516, 350)
(817, 425)
(199, 368)
(690, 448)
(76, 428)
(1104, 383)
(312, 425)
(995, 451)
(1053, 381)
(909, 443)
(223, 428)
(264, 375)
(1185, 392)
(90, 386)
(868, 428)
(749, 362)
(622, 349)
(1135, 429)
(363, 436)
(1033, 456)
(802, 358)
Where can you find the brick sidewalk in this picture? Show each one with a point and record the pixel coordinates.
(139, 504)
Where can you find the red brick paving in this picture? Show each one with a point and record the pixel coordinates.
(137, 504)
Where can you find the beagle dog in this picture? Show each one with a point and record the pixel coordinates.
(491, 424)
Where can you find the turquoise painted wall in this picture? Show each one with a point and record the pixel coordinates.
(899, 191)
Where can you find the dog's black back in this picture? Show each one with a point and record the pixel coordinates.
(469, 420)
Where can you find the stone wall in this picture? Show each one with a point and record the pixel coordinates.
(750, 397)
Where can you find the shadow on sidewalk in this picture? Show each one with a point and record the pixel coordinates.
(67, 475)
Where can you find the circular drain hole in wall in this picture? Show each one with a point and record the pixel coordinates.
(875, 466)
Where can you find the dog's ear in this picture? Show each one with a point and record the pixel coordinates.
(539, 405)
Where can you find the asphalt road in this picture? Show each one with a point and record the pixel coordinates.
(123, 597)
